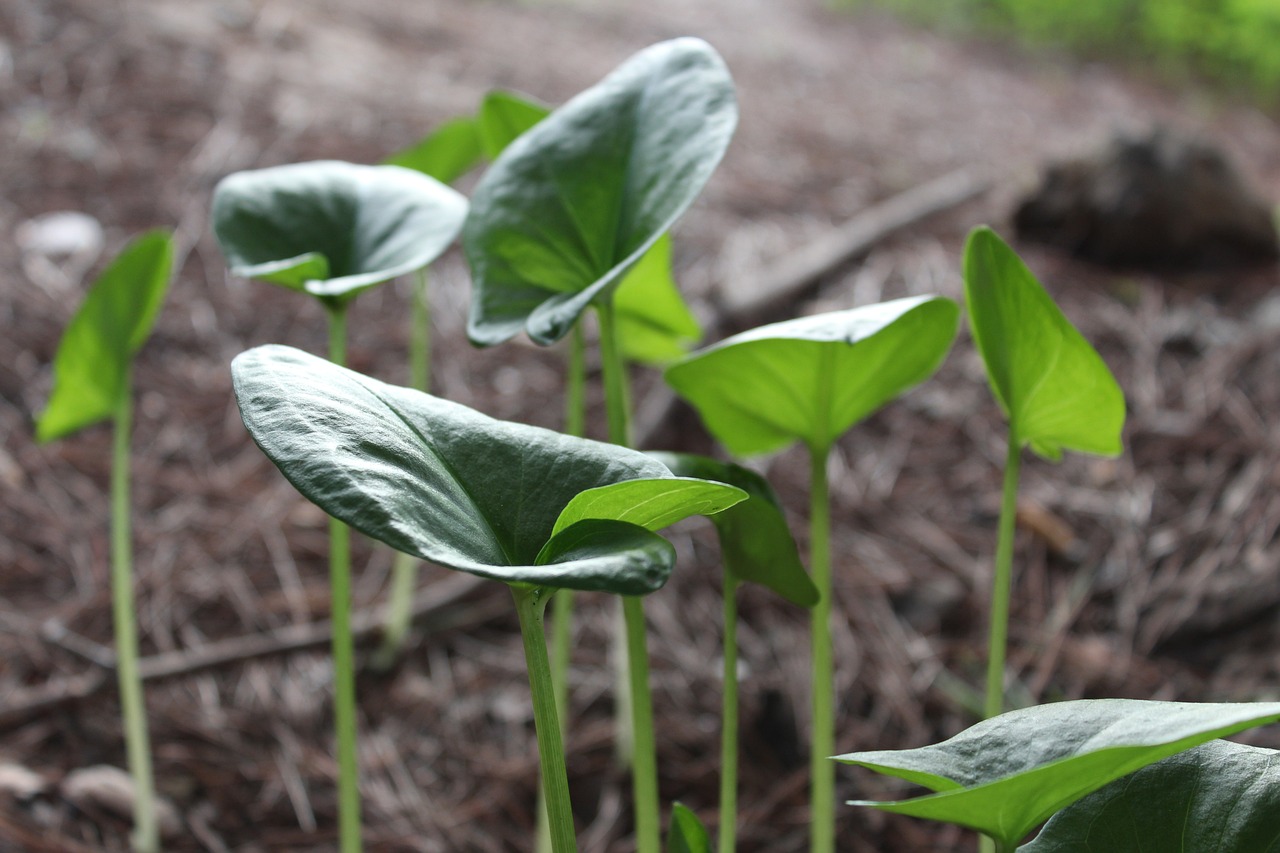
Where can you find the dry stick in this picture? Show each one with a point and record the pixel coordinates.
(365, 624)
(799, 272)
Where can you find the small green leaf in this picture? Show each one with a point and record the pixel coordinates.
(504, 117)
(651, 504)
(433, 478)
(333, 229)
(812, 378)
(1006, 775)
(636, 561)
(655, 324)
(92, 364)
(687, 834)
(1219, 796)
(1052, 385)
(446, 154)
(571, 205)
(754, 538)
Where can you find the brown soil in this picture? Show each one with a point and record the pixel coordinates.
(130, 112)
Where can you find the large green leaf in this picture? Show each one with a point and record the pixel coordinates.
(446, 154)
(812, 378)
(655, 325)
(333, 229)
(1006, 775)
(1052, 385)
(436, 479)
(1221, 796)
(754, 538)
(573, 203)
(687, 834)
(91, 367)
(651, 504)
(504, 117)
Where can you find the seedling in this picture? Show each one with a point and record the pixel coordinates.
(687, 834)
(1052, 386)
(810, 380)
(756, 546)
(532, 508)
(334, 230)
(561, 217)
(1006, 775)
(93, 382)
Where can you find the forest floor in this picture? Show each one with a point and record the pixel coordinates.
(130, 112)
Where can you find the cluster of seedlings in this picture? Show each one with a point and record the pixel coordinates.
(572, 215)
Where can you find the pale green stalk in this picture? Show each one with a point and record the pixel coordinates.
(822, 776)
(729, 721)
(404, 567)
(344, 678)
(146, 832)
(999, 635)
(644, 762)
(555, 780)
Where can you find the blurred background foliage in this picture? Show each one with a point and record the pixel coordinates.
(1234, 42)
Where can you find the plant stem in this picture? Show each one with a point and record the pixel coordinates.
(822, 777)
(344, 679)
(729, 721)
(617, 404)
(146, 833)
(420, 334)
(555, 779)
(1002, 581)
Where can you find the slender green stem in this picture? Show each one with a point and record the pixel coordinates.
(575, 400)
(420, 334)
(555, 779)
(146, 833)
(1002, 582)
(344, 670)
(729, 721)
(987, 844)
(616, 395)
(822, 776)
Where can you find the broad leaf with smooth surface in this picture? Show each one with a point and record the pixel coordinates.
(1006, 775)
(504, 117)
(655, 325)
(1052, 385)
(446, 154)
(687, 834)
(333, 229)
(91, 367)
(812, 378)
(1221, 796)
(571, 205)
(651, 504)
(441, 481)
(755, 541)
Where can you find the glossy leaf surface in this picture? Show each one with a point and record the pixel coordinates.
(755, 541)
(572, 204)
(812, 378)
(1006, 775)
(91, 367)
(438, 480)
(651, 504)
(333, 229)
(1052, 385)
(1220, 796)
(446, 154)
(687, 834)
(655, 325)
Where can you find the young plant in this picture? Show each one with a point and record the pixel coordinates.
(334, 230)
(1053, 388)
(755, 546)
(93, 382)
(810, 380)
(534, 509)
(1006, 775)
(687, 834)
(561, 217)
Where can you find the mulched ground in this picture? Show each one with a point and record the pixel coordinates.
(1169, 587)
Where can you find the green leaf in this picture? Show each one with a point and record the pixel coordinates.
(436, 479)
(1052, 385)
(651, 504)
(91, 368)
(571, 205)
(635, 560)
(1220, 796)
(505, 116)
(333, 229)
(812, 378)
(1006, 775)
(687, 834)
(446, 154)
(754, 538)
(655, 325)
